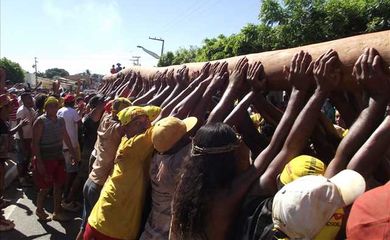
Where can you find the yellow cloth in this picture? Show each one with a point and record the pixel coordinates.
(119, 209)
(257, 119)
(128, 114)
(332, 227)
(152, 112)
(51, 100)
(300, 166)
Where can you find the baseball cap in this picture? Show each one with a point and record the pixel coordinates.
(51, 100)
(117, 105)
(69, 98)
(152, 112)
(96, 100)
(128, 114)
(4, 100)
(168, 131)
(370, 216)
(302, 208)
(300, 166)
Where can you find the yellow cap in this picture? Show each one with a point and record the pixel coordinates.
(119, 104)
(128, 114)
(152, 112)
(168, 131)
(51, 100)
(301, 166)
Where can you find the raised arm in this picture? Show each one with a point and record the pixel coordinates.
(181, 82)
(301, 81)
(368, 71)
(368, 157)
(239, 117)
(301, 78)
(153, 90)
(196, 101)
(237, 84)
(191, 87)
(160, 97)
(218, 78)
(267, 110)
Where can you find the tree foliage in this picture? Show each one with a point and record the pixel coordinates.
(291, 23)
(53, 72)
(13, 70)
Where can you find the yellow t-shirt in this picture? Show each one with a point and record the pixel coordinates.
(118, 211)
(332, 227)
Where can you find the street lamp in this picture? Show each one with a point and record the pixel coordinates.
(151, 53)
(162, 45)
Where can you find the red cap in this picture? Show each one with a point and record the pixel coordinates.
(370, 216)
(69, 98)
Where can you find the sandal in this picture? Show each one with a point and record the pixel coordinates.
(6, 225)
(42, 215)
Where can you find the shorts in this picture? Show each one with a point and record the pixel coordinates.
(91, 192)
(69, 167)
(92, 234)
(54, 169)
(23, 157)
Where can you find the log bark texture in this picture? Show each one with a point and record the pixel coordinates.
(349, 49)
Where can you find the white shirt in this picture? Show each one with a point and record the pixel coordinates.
(71, 117)
(26, 113)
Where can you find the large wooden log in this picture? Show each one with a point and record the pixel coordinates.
(349, 49)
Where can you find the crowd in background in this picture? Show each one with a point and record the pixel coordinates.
(209, 154)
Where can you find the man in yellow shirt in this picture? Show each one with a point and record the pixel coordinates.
(118, 212)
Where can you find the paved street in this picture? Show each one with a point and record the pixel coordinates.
(22, 211)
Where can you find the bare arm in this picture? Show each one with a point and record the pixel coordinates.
(268, 111)
(191, 87)
(237, 84)
(369, 72)
(181, 78)
(161, 96)
(368, 157)
(218, 78)
(68, 142)
(239, 117)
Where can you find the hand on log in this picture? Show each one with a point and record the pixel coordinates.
(371, 74)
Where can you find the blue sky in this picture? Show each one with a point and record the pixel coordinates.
(94, 34)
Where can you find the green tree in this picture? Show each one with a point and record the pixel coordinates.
(13, 70)
(52, 72)
(166, 59)
(291, 23)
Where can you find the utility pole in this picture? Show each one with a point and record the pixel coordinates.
(135, 60)
(162, 46)
(35, 66)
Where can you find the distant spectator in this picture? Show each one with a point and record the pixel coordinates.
(24, 138)
(113, 70)
(118, 67)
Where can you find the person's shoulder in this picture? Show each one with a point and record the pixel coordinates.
(20, 110)
(39, 120)
(61, 110)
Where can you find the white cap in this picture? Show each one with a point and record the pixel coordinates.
(302, 208)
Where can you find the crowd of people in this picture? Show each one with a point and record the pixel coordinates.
(206, 155)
